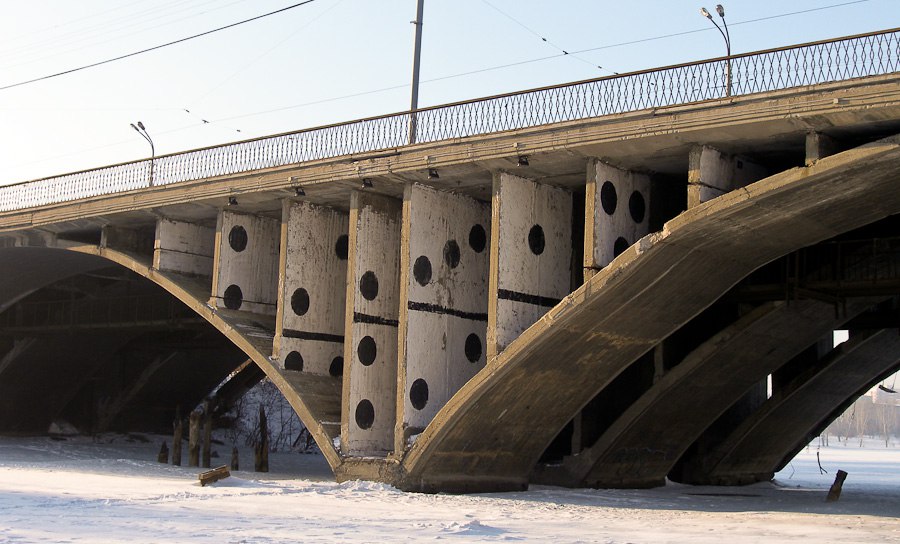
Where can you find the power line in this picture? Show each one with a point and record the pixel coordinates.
(232, 25)
(545, 40)
(523, 62)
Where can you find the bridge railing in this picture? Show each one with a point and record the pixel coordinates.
(863, 55)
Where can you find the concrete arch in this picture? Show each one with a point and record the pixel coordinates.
(519, 402)
(675, 411)
(313, 398)
(785, 423)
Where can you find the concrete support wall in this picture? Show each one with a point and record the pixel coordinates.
(531, 253)
(443, 312)
(372, 306)
(617, 213)
(184, 248)
(245, 268)
(713, 173)
(312, 286)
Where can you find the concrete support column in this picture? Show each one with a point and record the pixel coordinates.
(531, 253)
(617, 213)
(184, 248)
(369, 397)
(443, 312)
(245, 267)
(819, 146)
(712, 173)
(309, 334)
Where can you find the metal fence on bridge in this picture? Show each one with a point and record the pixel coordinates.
(840, 59)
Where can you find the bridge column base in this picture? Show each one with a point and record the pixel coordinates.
(457, 485)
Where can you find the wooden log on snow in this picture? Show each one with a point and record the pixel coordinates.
(214, 475)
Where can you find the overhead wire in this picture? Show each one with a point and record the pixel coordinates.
(154, 48)
(547, 41)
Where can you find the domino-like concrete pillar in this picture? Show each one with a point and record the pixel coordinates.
(184, 248)
(245, 267)
(712, 173)
(819, 146)
(617, 213)
(531, 254)
(443, 302)
(369, 397)
(309, 333)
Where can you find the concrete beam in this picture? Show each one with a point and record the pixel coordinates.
(245, 267)
(443, 302)
(312, 285)
(531, 253)
(712, 173)
(184, 248)
(369, 396)
(126, 239)
(617, 213)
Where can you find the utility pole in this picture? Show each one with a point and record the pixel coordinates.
(417, 56)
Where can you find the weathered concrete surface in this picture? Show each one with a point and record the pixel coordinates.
(312, 289)
(617, 213)
(184, 248)
(785, 424)
(371, 322)
(531, 253)
(640, 448)
(443, 302)
(245, 268)
(492, 432)
(712, 173)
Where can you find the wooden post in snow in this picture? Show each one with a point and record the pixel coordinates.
(207, 432)
(194, 439)
(176, 439)
(262, 446)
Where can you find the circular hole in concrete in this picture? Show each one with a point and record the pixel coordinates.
(418, 394)
(608, 197)
(300, 301)
(365, 414)
(341, 247)
(473, 348)
(337, 367)
(637, 206)
(233, 297)
(477, 238)
(294, 361)
(368, 285)
(536, 239)
(237, 238)
(451, 253)
(367, 350)
(422, 270)
(620, 245)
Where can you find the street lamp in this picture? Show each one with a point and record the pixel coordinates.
(727, 37)
(140, 129)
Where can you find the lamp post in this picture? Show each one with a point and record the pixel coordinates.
(727, 37)
(140, 129)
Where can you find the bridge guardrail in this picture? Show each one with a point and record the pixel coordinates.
(840, 59)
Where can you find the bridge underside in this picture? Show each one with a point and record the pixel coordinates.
(606, 312)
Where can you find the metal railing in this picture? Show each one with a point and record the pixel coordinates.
(863, 55)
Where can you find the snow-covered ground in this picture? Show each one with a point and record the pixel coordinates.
(112, 490)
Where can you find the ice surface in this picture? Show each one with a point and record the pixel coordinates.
(112, 490)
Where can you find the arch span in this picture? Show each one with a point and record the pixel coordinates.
(311, 397)
(492, 432)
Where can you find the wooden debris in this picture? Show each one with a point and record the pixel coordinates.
(214, 475)
(163, 455)
(835, 492)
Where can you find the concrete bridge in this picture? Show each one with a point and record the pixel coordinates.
(606, 283)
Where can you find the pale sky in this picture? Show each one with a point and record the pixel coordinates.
(298, 69)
